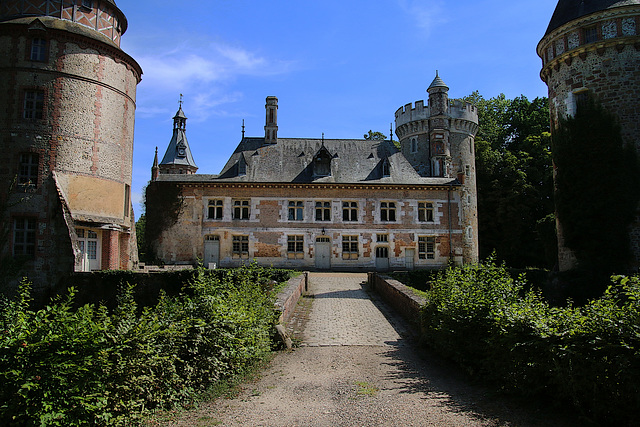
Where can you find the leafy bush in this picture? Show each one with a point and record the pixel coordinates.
(482, 318)
(66, 366)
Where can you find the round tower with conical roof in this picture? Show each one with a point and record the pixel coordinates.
(438, 140)
(592, 48)
(68, 96)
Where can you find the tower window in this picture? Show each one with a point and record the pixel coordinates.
(28, 169)
(38, 50)
(33, 104)
(414, 145)
(24, 237)
(591, 34)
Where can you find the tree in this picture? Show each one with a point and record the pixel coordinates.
(597, 188)
(140, 230)
(515, 180)
(375, 136)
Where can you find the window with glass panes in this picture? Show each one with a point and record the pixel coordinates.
(241, 209)
(33, 104)
(349, 247)
(295, 246)
(387, 211)
(28, 169)
(323, 211)
(349, 211)
(425, 211)
(296, 210)
(426, 247)
(38, 49)
(24, 237)
(215, 210)
(240, 246)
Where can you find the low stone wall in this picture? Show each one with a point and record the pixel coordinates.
(398, 296)
(288, 297)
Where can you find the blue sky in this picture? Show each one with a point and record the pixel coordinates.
(337, 67)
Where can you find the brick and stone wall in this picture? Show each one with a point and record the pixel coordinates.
(268, 226)
(84, 137)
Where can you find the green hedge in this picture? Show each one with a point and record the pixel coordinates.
(68, 366)
(482, 318)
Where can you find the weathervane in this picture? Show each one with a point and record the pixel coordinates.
(242, 128)
(180, 100)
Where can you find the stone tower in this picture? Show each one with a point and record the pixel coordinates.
(178, 158)
(438, 140)
(68, 96)
(592, 47)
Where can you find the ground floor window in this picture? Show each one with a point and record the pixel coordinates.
(24, 237)
(349, 247)
(295, 247)
(426, 247)
(241, 246)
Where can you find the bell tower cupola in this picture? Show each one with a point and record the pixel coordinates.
(178, 159)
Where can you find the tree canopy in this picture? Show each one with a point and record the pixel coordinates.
(515, 180)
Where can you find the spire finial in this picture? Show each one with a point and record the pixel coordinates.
(181, 101)
(242, 128)
(391, 131)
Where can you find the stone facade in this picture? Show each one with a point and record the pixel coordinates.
(595, 51)
(330, 204)
(68, 93)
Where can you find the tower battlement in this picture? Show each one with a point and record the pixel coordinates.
(458, 109)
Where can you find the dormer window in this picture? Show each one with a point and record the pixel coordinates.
(386, 168)
(242, 167)
(322, 163)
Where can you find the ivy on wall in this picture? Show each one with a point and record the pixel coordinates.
(163, 203)
(597, 188)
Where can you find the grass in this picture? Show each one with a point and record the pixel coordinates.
(363, 388)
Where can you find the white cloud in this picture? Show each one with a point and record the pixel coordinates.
(426, 14)
(202, 71)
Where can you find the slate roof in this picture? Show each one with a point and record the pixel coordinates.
(179, 139)
(568, 10)
(291, 160)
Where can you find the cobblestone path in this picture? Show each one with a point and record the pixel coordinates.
(343, 313)
(357, 365)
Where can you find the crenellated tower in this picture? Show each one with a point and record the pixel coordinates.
(438, 140)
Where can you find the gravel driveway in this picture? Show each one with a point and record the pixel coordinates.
(358, 365)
